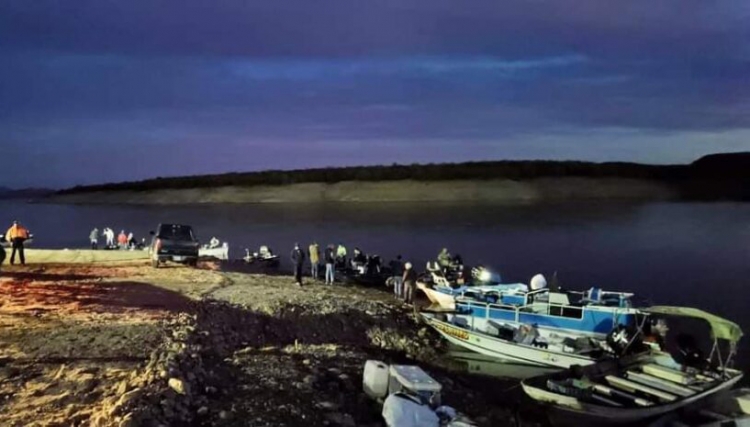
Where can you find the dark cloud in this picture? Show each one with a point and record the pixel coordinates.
(236, 85)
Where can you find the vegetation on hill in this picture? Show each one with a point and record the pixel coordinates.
(713, 176)
(514, 170)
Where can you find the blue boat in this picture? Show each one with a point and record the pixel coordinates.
(594, 313)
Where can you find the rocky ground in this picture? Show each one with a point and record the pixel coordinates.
(123, 344)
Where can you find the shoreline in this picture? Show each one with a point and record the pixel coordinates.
(470, 191)
(119, 343)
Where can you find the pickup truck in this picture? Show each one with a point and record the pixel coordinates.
(173, 242)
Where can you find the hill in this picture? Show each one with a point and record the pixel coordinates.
(722, 176)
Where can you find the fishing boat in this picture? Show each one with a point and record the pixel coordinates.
(442, 288)
(524, 344)
(218, 251)
(264, 257)
(445, 296)
(629, 391)
(593, 313)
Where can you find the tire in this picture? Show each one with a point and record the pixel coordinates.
(155, 263)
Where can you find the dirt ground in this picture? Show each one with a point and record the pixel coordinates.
(119, 343)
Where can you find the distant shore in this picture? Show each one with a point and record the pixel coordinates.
(481, 191)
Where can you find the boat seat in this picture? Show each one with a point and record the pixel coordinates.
(672, 375)
(634, 387)
(660, 384)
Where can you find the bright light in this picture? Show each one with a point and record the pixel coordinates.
(485, 276)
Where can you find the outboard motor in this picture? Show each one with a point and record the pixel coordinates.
(538, 282)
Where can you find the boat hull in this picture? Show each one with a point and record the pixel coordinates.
(443, 300)
(504, 350)
(577, 412)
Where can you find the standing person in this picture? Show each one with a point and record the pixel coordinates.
(2, 255)
(397, 271)
(330, 259)
(110, 235)
(131, 241)
(122, 239)
(94, 237)
(341, 255)
(410, 282)
(314, 260)
(17, 234)
(298, 259)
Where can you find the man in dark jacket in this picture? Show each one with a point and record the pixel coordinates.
(2, 255)
(298, 259)
(397, 272)
(330, 258)
(410, 282)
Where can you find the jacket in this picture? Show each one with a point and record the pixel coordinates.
(410, 276)
(94, 234)
(298, 257)
(314, 254)
(330, 258)
(16, 232)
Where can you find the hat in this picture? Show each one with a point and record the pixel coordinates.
(408, 266)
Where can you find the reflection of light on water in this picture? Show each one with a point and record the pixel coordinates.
(475, 363)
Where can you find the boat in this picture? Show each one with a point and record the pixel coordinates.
(594, 313)
(445, 296)
(442, 288)
(628, 391)
(264, 257)
(523, 344)
(366, 271)
(218, 251)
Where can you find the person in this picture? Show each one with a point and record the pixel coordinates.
(410, 282)
(122, 239)
(17, 234)
(397, 271)
(359, 257)
(341, 255)
(110, 235)
(444, 259)
(314, 260)
(298, 259)
(131, 241)
(330, 259)
(94, 237)
(2, 255)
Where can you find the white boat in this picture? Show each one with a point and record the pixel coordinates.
(445, 296)
(635, 391)
(526, 345)
(220, 251)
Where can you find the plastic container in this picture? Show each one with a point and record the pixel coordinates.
(375, 379)
(413, 380)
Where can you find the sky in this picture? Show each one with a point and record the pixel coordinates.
(98, 91)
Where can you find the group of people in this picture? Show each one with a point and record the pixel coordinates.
(17, 235)
(124, 241)
(404, 276)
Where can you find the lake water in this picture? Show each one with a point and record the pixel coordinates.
(693, 254)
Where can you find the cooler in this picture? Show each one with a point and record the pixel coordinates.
(413, 380)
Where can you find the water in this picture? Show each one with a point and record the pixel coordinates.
(693, 254)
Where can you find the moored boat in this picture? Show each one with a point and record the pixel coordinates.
(521, 344)
(219, 251)
(629, 391)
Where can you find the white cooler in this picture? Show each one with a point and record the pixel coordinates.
(413, 380)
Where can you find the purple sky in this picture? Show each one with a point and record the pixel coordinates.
(105, 90)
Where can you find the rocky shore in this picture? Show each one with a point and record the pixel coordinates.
(128, 345)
